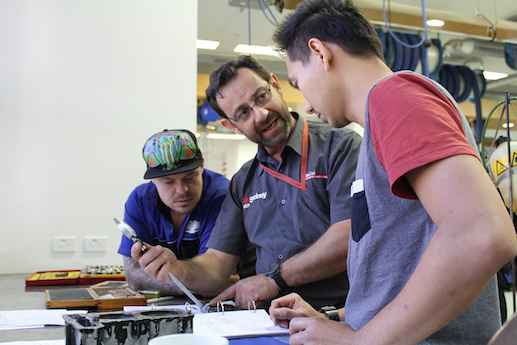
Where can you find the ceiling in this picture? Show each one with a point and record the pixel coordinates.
(227, 21)
(218, 20)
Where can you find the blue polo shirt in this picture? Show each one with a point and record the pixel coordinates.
(283, 220)
(151, 219)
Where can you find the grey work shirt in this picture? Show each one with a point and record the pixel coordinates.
(390, 234)
(283, 220)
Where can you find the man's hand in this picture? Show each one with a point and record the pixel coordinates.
(157, 262)
(138, 280)
(204, 272)
(306, 325)
(288, 307)
(257, 288)
(313, 331)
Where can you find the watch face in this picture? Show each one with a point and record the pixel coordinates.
(272, 269)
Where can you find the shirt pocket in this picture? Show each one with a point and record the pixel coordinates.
(189, 249)
(360, 215)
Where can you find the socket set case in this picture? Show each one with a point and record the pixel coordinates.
(125, 328)
(87, 276)
(97, 274)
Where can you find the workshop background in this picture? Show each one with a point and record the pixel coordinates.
(83, 84)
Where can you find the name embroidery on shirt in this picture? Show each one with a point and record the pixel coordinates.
(246, 202)
(312, 174)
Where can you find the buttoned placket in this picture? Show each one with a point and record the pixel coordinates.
(289, 180)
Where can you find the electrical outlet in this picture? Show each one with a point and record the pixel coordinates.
(95, 244)
(62, 244)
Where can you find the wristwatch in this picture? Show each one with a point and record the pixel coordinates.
(273, 271)
(331, 312)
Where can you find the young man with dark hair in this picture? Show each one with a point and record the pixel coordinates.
(429, 230)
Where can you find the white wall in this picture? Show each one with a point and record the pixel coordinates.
(226, 156)
(83, 84)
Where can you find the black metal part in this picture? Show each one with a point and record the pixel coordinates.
(125, 328)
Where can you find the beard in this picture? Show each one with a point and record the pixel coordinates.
(283, 124)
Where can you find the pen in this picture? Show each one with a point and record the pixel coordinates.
(160, 299)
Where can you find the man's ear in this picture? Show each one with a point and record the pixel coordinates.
(322, 54)
(229, 124)
(276, 83)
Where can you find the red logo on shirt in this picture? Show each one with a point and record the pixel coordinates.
(249, 200)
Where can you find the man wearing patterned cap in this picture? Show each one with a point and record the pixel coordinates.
(177, 209)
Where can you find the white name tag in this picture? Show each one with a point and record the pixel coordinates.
(357, 187)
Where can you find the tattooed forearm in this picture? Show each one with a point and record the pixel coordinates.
(138, 280)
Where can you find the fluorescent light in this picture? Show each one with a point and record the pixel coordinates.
(435, 22)
(225, 136)
(494, 75)
(511, 125)
(204, 44)
(259, 50)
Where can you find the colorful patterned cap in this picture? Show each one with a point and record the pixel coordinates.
(171, 152)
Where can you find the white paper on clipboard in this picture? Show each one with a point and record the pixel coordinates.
(237, 324)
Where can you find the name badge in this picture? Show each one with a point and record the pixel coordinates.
(357, 187)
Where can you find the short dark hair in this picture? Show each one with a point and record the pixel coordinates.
(334, 21)
(226, 73)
